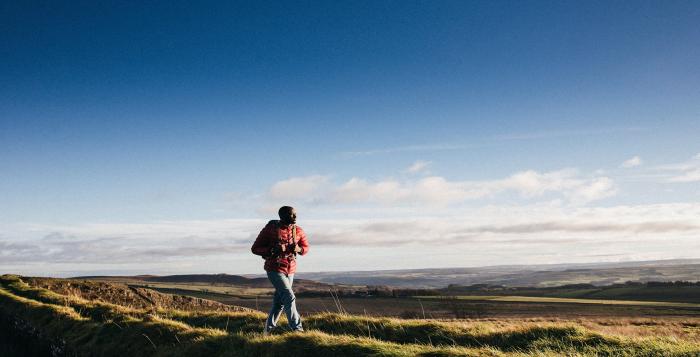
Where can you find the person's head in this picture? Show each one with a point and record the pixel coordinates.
(288, 215)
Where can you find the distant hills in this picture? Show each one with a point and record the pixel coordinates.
(222, 279)
(598, 274)
(211, 279)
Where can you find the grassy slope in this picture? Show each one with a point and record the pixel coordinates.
(102, 328)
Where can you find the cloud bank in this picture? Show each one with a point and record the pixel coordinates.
(503, 233)
(525, 217)
(568, 184)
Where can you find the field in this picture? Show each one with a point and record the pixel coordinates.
(37, 320)
(547, 303)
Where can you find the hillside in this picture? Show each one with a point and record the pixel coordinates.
(35, 320)
(133, 297)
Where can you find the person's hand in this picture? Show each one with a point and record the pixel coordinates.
(297, 249)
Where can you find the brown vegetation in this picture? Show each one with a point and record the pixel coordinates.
(52, 323)
(129, 296)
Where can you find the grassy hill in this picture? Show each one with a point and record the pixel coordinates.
(35, 320)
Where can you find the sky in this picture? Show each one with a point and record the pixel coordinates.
(160, 137)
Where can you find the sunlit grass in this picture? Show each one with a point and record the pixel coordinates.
(99, 328)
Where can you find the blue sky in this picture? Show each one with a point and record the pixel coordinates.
(123, 126)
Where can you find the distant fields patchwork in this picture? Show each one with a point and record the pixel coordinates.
(442, 307)
(535, 299)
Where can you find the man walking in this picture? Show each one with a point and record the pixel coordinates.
(279, 243)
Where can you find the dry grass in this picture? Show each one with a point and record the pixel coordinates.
(680, 328)
(90, 327)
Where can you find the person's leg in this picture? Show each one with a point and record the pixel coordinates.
(276, 310)
(283, 286)
(290, 306)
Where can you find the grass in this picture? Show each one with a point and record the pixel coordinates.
(77, 326)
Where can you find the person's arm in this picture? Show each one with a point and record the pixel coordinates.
(262, 243)
(302, 244)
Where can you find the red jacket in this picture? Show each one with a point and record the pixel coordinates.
(273, 234)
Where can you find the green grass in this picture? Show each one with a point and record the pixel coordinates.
(85, 327)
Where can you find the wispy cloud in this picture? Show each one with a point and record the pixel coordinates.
(566, 133)
(412, 148)
(491, 141)
(631, 162)
(590, 227)
(682, 172)
(418, 166)
(687, 176)
(129, 243)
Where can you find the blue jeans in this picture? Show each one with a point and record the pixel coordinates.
(283, 299)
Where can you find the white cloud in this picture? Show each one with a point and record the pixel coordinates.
(632, 162)
(418, 166)
(439, 191)
(532, 183)
(510, 233)
(528, 184)
(683, 172)
(688, 176)
(158, 242)
(297, 187)
(433, 190)
(412, 148)
(567, 182)
(596, 189)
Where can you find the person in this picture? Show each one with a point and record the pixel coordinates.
(279, 243)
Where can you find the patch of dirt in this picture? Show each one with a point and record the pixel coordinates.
(129, 296)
